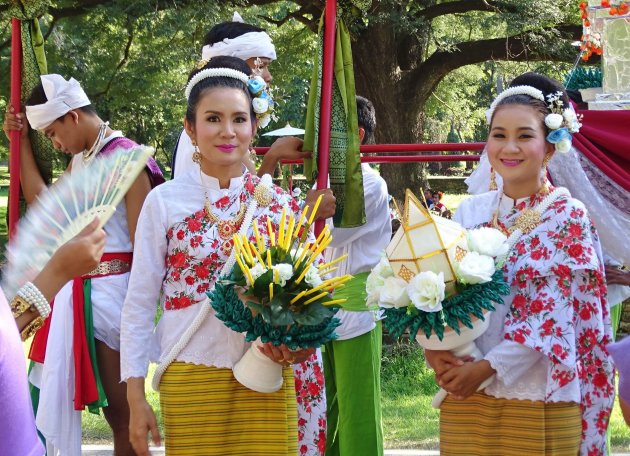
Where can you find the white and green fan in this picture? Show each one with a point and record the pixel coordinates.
(68, 206)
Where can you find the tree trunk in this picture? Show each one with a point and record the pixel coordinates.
(379, 78)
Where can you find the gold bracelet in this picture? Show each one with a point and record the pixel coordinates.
(19, 305)
(32, 328)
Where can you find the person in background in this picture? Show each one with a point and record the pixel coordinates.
(352, 363)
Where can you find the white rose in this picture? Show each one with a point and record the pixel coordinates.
(554, 121)
(257, 270)
(260, 105)
(383, 268)
(563, 146)
(284, 273)
(393, 293)
(264, 121)
(312, 277)
(475, 268)
(487, 241)
(426, 291)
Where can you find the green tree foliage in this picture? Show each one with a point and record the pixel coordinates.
(429, 66)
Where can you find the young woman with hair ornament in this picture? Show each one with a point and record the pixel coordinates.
(547, 345)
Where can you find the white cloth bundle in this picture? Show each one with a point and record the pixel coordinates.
(246, 46)
(63, 96)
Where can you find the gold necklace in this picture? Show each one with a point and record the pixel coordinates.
(527, 220)
(225, 228)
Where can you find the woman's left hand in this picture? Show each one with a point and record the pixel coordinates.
(282, 355)
(463, 381)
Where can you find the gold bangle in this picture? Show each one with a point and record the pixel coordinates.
(19, 305)
(32, 328)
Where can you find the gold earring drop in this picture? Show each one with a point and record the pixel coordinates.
(196, 156)
(493, 180)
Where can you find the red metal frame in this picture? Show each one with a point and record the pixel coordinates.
(16, 102)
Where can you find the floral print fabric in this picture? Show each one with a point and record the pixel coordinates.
(558, 308)
(311, 400)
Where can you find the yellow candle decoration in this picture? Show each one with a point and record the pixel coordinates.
(281, 228)
(305, 250)
(276, 276)
(327, 271)
(268, 259)
(330, 263)
(334, 301)
(315, 298)
(272, 234)
(270, 291)
(298, 296)
(259, 241)
(247, 248)
(245, 270)
(299, 224)
(257, 253)
(312, 216)
(289, 234)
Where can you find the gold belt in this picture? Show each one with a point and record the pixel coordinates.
(110, 267)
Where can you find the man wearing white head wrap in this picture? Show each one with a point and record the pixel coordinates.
(61, 109)
(237, 39)
(62, 95)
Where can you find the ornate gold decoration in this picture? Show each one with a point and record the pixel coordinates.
(32, 328)
(111, 267)
(225, 228)
(202, 63)
(459, 253)
(526, 221)
(405, 273)
(263, 195)
(19, 306)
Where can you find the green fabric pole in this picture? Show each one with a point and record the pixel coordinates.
(354, 292)
(93, 407)
(346, 178)
(352, 370)
(33, 65)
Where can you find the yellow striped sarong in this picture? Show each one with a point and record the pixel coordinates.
(207, 412)
(485, 425)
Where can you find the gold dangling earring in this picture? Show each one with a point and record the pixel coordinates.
(196, 156)
(545, 185)
(493, 180)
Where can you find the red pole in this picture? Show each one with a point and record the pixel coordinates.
(328, 67)
(16, 102)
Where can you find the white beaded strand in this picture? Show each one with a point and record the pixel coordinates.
(31, 294)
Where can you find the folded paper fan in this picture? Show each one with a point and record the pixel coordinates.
(65, 208)
(288, 130)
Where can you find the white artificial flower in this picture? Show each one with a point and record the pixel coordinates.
(261, 105)
(383, 268)
(393, 293)
(475, 268)
(264, 121)
(260, 80)
(487, 241)
(426, 291)
(312, 277)
(554, 121)
(569, 115)
(563, 146)
(284, 273)
(257, 270)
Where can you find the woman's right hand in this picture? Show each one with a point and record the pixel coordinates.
(441, 361)
(14, 122)
(141, 421)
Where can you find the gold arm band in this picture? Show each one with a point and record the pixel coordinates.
(32, 328)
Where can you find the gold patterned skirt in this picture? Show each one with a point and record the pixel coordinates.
(207, 412)
(485, 425)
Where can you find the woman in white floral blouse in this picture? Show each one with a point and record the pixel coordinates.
(553, 391)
